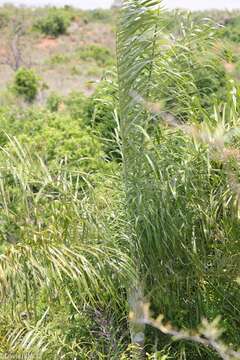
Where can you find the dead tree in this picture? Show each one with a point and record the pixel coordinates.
(14, 48)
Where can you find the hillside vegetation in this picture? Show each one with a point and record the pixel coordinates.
(119, 183)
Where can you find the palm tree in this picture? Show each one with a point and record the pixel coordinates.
(169, 174)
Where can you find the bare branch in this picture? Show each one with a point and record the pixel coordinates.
(14, 53)
(208, 334)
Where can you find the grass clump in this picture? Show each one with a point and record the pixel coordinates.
(55, 227)
(100, 54)
(59, 59)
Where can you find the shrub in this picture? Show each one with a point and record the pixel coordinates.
(55, 137)
(53, 102)
(69, 142)
(75, 104)
(99, 113)
(26, 84)
(59, 59)
(100, 54)
(54, 24)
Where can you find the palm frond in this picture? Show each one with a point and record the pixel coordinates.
(178, 195)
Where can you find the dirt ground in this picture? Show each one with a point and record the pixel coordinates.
(66, 76)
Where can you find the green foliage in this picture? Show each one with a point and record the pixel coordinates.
(97, 111)
(75, 235)
(4, 19)
(98, 15)
(53, 102)
(100, 54)
(75, 71)
(180, 199)
(75, 104)
(57, 138)
(63, 274)
(201, 76)
(26, 84)
(59, 59)
(54, 24)
(100, 114)
(231, 30)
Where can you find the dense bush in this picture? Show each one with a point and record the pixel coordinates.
(56, 137)
(54, 24)
(97, 111)
(26, 83)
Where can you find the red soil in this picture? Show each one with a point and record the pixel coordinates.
(47, 43)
